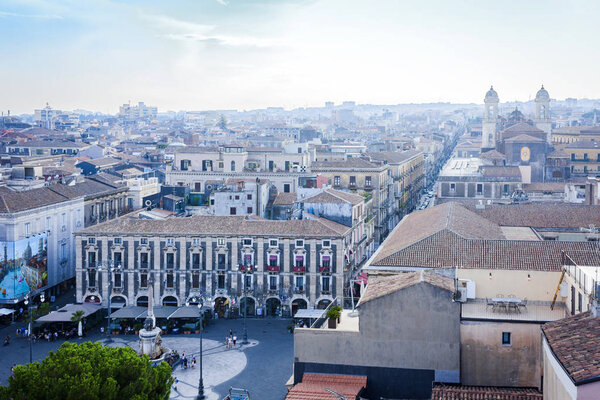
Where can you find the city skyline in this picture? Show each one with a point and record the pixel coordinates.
(249, 55)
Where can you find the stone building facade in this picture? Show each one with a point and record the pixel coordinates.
(279, 266)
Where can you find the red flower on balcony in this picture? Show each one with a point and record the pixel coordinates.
(298, 269)
(273, 268)
(246, 268)
(325, 269)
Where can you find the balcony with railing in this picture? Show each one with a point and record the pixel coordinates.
(325, 269)
(299, 269)
(272, 268)
(246, 268)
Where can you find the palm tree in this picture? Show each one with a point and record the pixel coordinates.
(77, 317)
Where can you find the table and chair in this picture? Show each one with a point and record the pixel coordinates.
(506, 304)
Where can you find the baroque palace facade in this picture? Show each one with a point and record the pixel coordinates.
(279, 266)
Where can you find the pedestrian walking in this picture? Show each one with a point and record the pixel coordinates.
(193, 362)
(234, 340)
(185, 362)
(175, 384)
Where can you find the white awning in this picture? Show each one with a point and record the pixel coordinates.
(65, 313)
(6, 311)
(309, 313)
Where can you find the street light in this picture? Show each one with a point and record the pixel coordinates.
(29, 303)
(244, 275)
(200, 382)
(110, 267)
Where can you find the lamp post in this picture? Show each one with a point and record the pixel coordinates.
(244, 274)
(200, 381)
(29, 303)
(110, 267)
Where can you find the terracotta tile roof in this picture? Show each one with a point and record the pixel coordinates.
(220, 225)
(540, 215)
(544, 187)
(446, 249)
(492, 171)
(395, 157)
(443, 391)
(574, 342)
(313, 387)
(284, 199)
(449, 216)
(492, 155)
(583, 144)
(522, 127)
(334, 196)
(382, 286)
(350, 163)
(523, 138)
(11, 202)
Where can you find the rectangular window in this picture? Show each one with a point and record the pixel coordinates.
(327, 243)
(247, 259)
(232, 211)
(336, 181)
(63, 251)
(144, 260)
(196, 261)
(117, 258)
(221, 281)
(325, 287)
(170, 280)
(48, 221)
(479, 188)
(247, 242)
(92, 260)
(326, 261)
(249, 197)
(118, 241)
(367, 181)
(300, 283)
(170, 241)
(196, 242)
(118, 280)
(352, 180)
(195, 280)
(272, 282)
(506, 189)
(273, 242)
(27, 228)
(170, 260)
(91, 240)
(286, 187)
(237, 197)
(144, 280)
(92, 278)
(248, 281)
(221, 242)
(299, 261)
(273, 260)
(299, 243)
(143, 241)
(221, 261)
(249, 210)
(579, 302)
(506, 339)
(452, 187)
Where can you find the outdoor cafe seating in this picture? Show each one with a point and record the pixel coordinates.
(506, 304)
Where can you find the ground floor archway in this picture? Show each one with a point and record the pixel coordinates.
(170, 301)
(322, 304)
(273, 307)
(298, 304)
(250, 307)
(91, 299)
(142, 301)
(118, 301)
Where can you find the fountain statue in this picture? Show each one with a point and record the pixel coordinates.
(150, 340)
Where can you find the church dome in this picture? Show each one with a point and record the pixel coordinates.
(542, 94)
(491, 95)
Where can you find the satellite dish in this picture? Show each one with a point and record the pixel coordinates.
(148, 203)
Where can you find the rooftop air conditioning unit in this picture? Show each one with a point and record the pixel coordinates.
(461, 295)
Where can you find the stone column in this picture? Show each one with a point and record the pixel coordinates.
(286, 272)
(183, 268)
(209, 265)
(233, 274)
(259, 260)
(156, 271)
(103, 263)
(313, 272)
(79, 268)
(131, 272)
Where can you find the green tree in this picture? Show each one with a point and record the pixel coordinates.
(90, 371)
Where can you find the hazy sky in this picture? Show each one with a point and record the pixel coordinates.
(244, 54)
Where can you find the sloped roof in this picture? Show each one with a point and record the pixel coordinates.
(445, 391)
(11, 201)
(382, 286)
(285, 199)
(492, 155)
(523, 138)
(394, 157)
(499, 171)
(220, 225)
(451, 217)
(574, 342)
(313, 387)
(522, 127)
(334, 196)
(583, 144)
(352, 162)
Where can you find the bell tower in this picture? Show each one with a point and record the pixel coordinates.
(490, 120)
(542, 113)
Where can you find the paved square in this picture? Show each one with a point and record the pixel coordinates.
(262, 367)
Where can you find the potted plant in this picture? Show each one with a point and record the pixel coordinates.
(187, 330)
(290, 328)
(137, 327)
(333, 316)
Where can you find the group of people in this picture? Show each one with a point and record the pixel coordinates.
(49, 335)
(188, 363)
(230, 340)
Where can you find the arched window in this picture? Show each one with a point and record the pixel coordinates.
(233, 165)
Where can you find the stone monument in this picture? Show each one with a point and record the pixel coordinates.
(150, 340)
